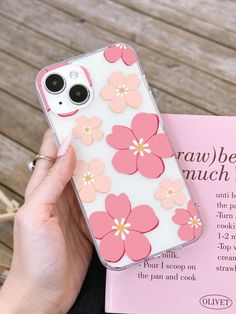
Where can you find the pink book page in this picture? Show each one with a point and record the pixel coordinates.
(201, 277)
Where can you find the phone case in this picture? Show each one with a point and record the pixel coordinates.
(127, 180)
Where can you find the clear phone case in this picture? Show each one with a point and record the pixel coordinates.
(127, 180)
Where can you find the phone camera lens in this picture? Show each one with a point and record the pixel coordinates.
(79, 94)
(55, 83)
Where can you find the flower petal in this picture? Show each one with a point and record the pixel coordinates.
(96, 134)
(128, 56)
(160, 146)
(121, 137)
(145, 125)
(86, 139)
(150, 166)
(81, 167)
(108, 92)
(134, 98)
(82, 120)
(118, 206)
(160, 194)
(96, 166)
(177, 185)
(112, 53)
(95, 122)
(166, 183)
(179, 198)
(186, 233)
(112, 247)
(137, 246)
(79, 182)
(117, 104)
(132, 81)
(192, 209)
(88, 193)
(116, 78)
(125, 161)
(181, 216)
(142, 218)
(78, 131)
(102, 184)
(167, 202)
(101, 224)
(197, 232)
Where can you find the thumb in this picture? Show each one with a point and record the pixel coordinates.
(56, 180)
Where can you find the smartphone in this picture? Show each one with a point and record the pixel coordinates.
(128, 183)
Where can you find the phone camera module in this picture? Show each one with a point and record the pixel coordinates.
(79, 94)
(55, 83)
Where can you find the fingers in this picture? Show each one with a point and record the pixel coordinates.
(48, 148)
(51, 187)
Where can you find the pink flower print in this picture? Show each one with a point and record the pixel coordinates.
(121, 229)
(89, 179)
(190, 223)
(88, 129)
(140, 148)
(121, 91)
(114, 52)
(170, 193)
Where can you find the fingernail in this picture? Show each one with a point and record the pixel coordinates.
(64, 146)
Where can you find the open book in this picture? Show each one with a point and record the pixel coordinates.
(201, 277)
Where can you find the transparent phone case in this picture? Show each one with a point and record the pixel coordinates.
(127, 180)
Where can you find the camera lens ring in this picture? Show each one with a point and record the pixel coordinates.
(85, 97)
(56, 85)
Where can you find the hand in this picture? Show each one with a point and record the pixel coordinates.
(52, 248)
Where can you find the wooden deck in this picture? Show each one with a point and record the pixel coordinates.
(187, 48)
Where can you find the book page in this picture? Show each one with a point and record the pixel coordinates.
(199, 278)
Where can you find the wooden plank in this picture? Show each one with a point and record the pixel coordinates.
(14, 173)
(188, 15)
(6, 228)
(5, 255)
(164, 73)
(169, 40)
(217, 12)
(17, 78)
(41, 51)
(21, 122)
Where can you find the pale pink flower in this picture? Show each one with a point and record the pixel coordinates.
(170, 193)
(88, 129)
(140, 148)
(120, 51)
(89, 179)
(121, 91)
(121, 229)
(190, 224)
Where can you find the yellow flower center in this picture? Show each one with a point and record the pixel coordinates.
(122, 90)
(140, 147)
(87, 129)
(121, 228)
(194, 222)
(170, 192)
(88, 178)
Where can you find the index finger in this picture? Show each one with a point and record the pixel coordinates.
(48, 148)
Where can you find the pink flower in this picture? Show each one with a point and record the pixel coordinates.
(87, 129)
(191, 226)
(140, 148)
(170, 193)
(121, 228)
(121, 91)
(89, 179)
(114, 52)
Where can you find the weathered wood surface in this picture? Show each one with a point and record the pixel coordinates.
(187, 49)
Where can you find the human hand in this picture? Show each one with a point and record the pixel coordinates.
(52, 248)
